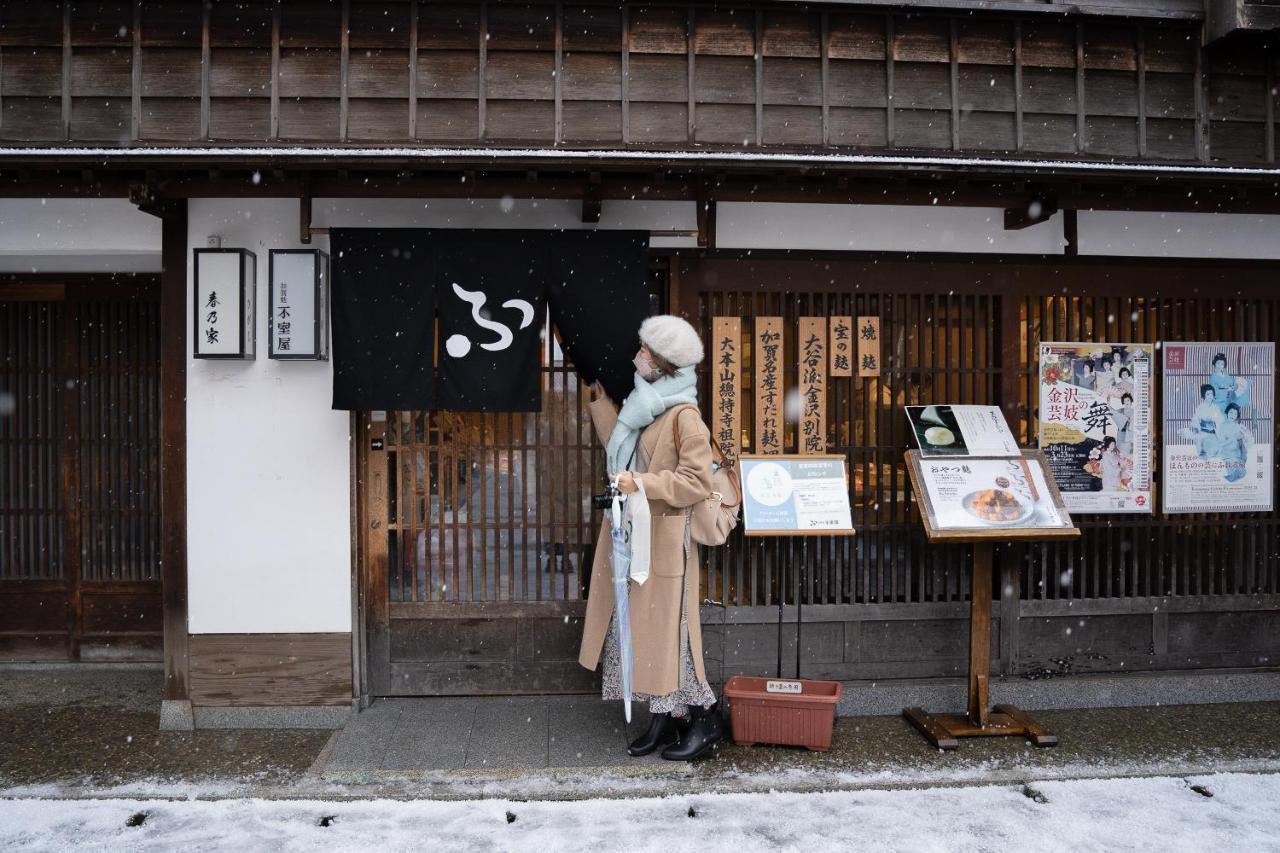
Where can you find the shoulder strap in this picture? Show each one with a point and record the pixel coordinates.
(717, 454)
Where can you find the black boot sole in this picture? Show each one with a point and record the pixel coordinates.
(701, 751)
(637, 753)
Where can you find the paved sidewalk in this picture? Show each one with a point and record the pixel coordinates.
(408, 736)
(93, 732)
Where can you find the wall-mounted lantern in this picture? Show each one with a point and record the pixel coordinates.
(299, 300)
(222, 310)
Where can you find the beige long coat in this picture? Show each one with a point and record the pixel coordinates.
(672, 483)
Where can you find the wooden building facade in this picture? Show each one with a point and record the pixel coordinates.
(466, 532)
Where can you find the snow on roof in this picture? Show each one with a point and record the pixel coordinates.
(627, 155)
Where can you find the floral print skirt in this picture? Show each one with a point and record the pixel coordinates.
(692, 690)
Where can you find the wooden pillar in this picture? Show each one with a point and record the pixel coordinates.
(979, 632)
(176, 709)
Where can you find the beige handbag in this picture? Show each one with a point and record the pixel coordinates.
(712, 519)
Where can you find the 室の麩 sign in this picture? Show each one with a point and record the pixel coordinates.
(299, 328)
(726, 385)
(795, 495)
(222, 303)
(841, 346)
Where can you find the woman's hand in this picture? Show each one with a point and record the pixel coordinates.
(627, 483)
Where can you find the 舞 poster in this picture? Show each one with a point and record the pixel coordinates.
(1219, 420)
(1095, 424)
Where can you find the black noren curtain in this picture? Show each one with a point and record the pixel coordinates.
(488, 291)
(382, 318)
(491, 296)
(599, 291)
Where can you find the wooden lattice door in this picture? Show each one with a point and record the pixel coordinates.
(79, 470)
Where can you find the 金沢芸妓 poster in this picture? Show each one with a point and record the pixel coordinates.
(1095, 424)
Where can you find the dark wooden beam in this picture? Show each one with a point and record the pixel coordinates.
(304, 215)
(1040, 208)
(173, 451)
(1071, 233)
(1210, 193)
(592, 200)
(706, 215)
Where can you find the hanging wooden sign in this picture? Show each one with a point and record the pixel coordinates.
(813, 384)
(726, 385)
(841, 346)
(770, 370)
(868, 346)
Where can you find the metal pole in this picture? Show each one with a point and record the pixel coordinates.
(804, 582)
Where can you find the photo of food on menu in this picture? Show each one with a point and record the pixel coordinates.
(969, 494)
(961, 431)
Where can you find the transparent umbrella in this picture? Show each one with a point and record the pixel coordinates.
(621, 598)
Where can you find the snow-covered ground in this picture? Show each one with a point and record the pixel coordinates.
(1231, 812)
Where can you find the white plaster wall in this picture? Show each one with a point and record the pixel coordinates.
(1179, 235)
(268, 464)
(77, 235)
(878, 227)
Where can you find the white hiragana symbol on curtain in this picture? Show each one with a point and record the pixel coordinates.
(459, 345)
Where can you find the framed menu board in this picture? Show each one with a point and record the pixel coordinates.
(983, 498)
(794, 495)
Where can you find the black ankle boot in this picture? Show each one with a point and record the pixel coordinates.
(703, 735)
(663, 730)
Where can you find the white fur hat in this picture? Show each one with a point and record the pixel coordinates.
(672, 338)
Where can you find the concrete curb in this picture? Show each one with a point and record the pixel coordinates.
(1123, 690)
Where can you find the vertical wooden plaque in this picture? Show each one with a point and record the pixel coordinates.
(770, 370)
(841, 346)
(726, 383)
(868, 346)
(812, 347)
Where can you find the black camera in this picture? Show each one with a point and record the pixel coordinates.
(605, 500)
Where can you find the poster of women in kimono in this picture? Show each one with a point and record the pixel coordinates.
(1095, 424)
(1219, 421)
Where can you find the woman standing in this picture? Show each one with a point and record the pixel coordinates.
(642, 454)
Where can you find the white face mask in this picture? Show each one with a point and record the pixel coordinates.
(644, 367)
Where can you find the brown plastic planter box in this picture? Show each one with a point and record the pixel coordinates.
(799, 719)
